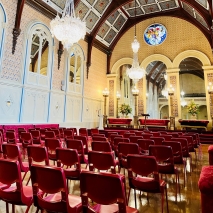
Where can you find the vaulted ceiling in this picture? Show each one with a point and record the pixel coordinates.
(108, 20)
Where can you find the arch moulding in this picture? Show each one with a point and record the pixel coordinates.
(191, 53)
(157, 57)
(119, 63)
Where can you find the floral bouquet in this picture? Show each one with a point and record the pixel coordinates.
(193, 108)
(125, 109)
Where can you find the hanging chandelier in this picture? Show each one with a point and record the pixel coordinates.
(135, 72)
(68, 29)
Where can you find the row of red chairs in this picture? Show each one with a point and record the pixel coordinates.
(48, 182)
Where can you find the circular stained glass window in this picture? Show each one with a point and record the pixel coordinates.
(155, 34)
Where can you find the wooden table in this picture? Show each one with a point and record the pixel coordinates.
(198, 124)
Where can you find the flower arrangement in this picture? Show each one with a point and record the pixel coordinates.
(125, 109)
(193, 108)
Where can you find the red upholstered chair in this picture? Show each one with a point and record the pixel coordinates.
(12, 152)
(16, 194)
(101, 146)
(109, 133)
(147, 135)
(68, 134)
(144, 145)
(52, 144)
(205, 184)
(50, 134)
(128, 134)
(166, 137)
(75, 132)
(178, 155)
(84, 141)
(99, 135)
(57, 133)
(117, 140)
(113, 136)
(185, 149)
(11, 137)
(94, 131)
(36, 135)
(99, 138)
(125, 149)
(108, 193)
(37, 154)
(78, 145)
(157, 140)
(61, 131)
(146, 177)
(155, 134)
(26, 139)
(134, 139)
(165, 160)
(210, 151)
(83, 132)
(173, 134)
(122, 132)
(102, 161)
(3, 134)
(50, 191)
(42, 132)
(138, 133)
(69, 158)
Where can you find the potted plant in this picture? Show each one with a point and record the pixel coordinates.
(193, 109)
(125, 109)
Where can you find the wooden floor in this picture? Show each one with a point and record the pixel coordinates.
(188, 200)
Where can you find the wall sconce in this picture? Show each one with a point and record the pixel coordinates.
(8, 103)
(135, 93)
(118, 96)
(105, 95)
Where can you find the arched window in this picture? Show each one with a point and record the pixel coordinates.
(2, 32)
(75, 69)
(39, 55)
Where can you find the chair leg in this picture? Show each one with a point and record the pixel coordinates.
(162, 201)
(13, 208)
(128, 196)
(167, 200)
(28, 180)
(24, 176)
(7, 207)
(135, 198)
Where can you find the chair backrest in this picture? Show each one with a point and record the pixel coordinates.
(115, 136)
(111, 133)
(142, 165)
(83, 132)
(94, 131)
(10, 173)
(12, 152)
(176, 149)
(157, 140)
(144, 144)
(155, 134)
(101, 146)
(49, 180)
(138, 133)
(50, 134)
(147, 135)
(68, 157)
(128, 148)
(26, 139)
(189, 139)
(98, 138)
(134, 139)
(98, 135)
(109, 189)
(52, 144)
(112, 136)
(162, 153)
(118, 140)
(184, 145)
(84, 141)
(57, 133)
(75, 132)
(35, 134)
(11, 137)
(128, 134)
(68, 134)
(101, 161)
(173, 134)
(37, 154)
(166, 137)
(75, 144)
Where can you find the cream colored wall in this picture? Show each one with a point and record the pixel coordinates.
(192, 84)
(182, 36)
